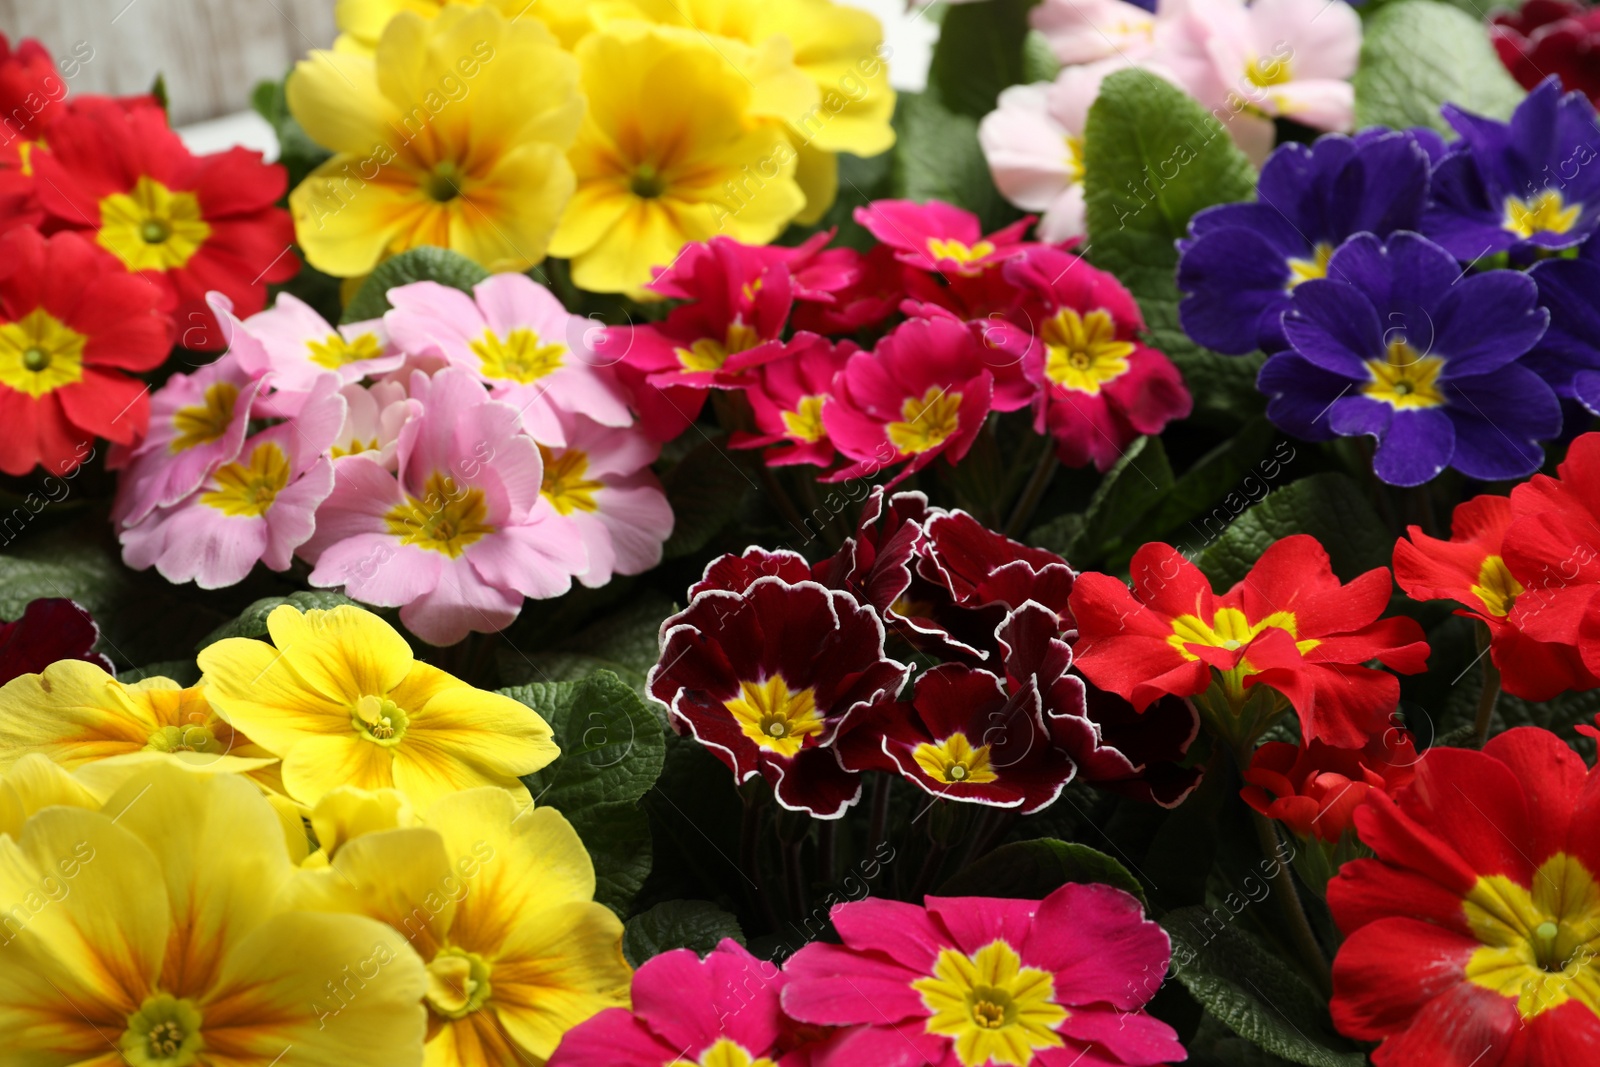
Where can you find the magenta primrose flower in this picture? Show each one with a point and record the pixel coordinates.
(978, 981)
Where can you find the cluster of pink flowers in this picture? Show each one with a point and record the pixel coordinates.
(961, 324)
(782, 669)
(451, 459)
(1245, 63)
(959, 982)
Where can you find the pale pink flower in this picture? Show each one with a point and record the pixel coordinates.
(297, 346)
(374, 417)
(513, 335)
(602, 481)
(260, 506)
(1083, 31)
(460, 534)
(197, 423)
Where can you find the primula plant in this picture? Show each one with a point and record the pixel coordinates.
(631, 542)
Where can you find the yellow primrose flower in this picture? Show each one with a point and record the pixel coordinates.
(347, 812)
(453, 133)
(75, 714)
(500, 906)
(34, 782)
(361, 22)
(156, 933)
(669, 153)
(343, 702)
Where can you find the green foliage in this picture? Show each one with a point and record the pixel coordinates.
(252, 622)
(937, 157)
(1418, 54)
(425, 264)
(1329, 507)
(1248, 988)
(706, 489)
(612, 751)
(673, 924)
(624, 643)
(1138, 482)
(981, 50)
(1030, 870)
(298, 153)
(1152, 158)
(183, 671)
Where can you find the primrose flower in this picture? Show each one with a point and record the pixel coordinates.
(1568, 355)
(177, 945)
(516, 337)
(362, 22)
(1315, 789)
(1522, 186)
(1289, 632)
(938, 237)
(767, 676)
(459, 536)
(1034, 144)
(297, 347)
(1241, 262)
(72, 327)
(1474, 936)
(499, 903)
(971, 981)
(1545, 37)
(452, 133)
(49, 629)
(185, 224)
(786, 398)
(665, 148)
(1396, 344)
(1084, 31)
(374, 417)
(339, 697)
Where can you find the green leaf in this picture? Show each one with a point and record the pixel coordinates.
(937, 157)
(1039, 63)
(706, 489)
(183, 671)
(1329, 507)
(673, 924)
(1135, 485)
(298, 153)
(158, 89)
(980, 52)
(1152, 158)
(612, 749)
(1251, 990)
(1418, 54)
(1030, 870)
(252, 622)
(425, 264)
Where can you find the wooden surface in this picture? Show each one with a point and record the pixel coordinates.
(211, 51)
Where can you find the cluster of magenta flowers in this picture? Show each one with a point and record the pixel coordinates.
(788, 671)
(1440, 299)
(957, 982)
(956, 324)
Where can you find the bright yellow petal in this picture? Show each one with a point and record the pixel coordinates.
(504, 219)
(475, 1041)
(365, 19)
(400, 877)
(556, 969)
(335, 97)
(352, 212)
(503, 737)
(344, 654)
(220, 845)
(73, 712)
(648, 235)
(346, 813)
(35, 782)
(595, 208)
(318, 764)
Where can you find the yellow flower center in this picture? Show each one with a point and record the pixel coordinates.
(928, 421)
(996, 1010)
(1074, 159)
(39, 354)
(1304, 270)
(1265, 73)
(1539, 945)
(1082, 353)
(164, 1032)
(565, 484)
(152, 228)
(202, 423)
(334, 351)
(249, 489)
(355, 446)
(458, 983)
(379, 720)
(954, 761)
(804, 423)
(1545, 213)
(774, 717)
(443, 183)
(725, 1053)
(647, 182)
(963, 255)
(1496, 587)
(1230, 629)
(446, 520)
(1406, 380)
(708, 354)
(520, 356)
(184, 739)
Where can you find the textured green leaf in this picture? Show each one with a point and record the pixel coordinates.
(980, 52)
(673, 924)
(1418, 54)
(1135, 485)
(253, 621)
(425, 264)
(706, 489)
(1251, 990)
(1152, 158)
(937, 157)
(612, 748)
(1030, 870)
(1329, 507)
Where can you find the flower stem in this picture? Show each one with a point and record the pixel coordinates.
(1032, 493)
(1294, 913)
(878, 823)
(750, 852)
(1491, 688)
